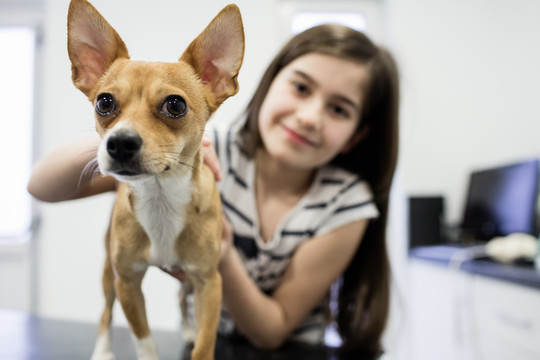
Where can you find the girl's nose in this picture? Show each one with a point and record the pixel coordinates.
(310, 114)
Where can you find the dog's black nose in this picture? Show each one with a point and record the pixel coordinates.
(124, 145)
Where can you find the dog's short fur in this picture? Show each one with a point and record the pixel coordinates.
(151, 117)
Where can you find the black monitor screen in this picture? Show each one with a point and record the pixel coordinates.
(502, 200)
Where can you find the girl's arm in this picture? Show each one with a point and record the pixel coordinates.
(268, 321)
(61, 175)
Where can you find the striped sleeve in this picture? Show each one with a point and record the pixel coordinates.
(231, 160)
(352, 201)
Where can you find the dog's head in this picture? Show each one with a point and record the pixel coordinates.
(151, 116)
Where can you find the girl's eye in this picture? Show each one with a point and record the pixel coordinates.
(339, 111)
(174, 106)
(300, 88)
(105, 104)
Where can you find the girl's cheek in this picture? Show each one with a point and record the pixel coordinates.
(341, 136)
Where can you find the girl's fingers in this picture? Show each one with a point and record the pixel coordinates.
(210, 157)
(178, 274)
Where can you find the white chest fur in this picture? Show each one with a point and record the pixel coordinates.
(160, 207)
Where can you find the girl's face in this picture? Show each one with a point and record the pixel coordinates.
(312, 110)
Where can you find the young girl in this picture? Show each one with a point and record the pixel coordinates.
(306, 179)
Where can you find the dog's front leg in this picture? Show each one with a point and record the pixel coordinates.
(207, 293)
(102, 348)
(189, 331)
(128, 289)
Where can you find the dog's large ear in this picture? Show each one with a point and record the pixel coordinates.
(93, 45)
(217, 54)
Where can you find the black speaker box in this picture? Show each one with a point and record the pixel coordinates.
(426, 215)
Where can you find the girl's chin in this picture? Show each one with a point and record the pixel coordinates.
(289, 160)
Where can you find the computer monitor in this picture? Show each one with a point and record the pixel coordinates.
(501, 201)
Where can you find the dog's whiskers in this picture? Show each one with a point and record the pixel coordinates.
(169, 161)
(90, 171)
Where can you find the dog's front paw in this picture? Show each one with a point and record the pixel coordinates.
(188, 333)
(103, 356)
(102, 348)
(146, 349)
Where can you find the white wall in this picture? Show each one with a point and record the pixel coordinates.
(470, 89)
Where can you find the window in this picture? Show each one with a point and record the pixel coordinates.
(366, 16)
(306, 19)
(16, 120)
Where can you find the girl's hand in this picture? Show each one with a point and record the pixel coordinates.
(210, 157)
(227, 246)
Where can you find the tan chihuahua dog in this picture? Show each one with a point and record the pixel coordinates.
(151, 118)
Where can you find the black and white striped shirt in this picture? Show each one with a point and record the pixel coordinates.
(335, 198)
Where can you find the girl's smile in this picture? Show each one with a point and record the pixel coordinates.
(312, 110)
(297, 138)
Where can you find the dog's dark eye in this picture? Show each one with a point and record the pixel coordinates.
(174, 106)
(105, 104)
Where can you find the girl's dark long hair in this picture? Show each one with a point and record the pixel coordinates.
(364, 294)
